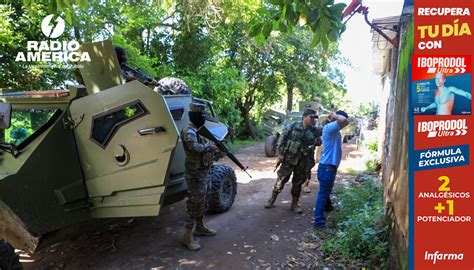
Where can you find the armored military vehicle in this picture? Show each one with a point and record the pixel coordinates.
(101, 150)
(274, 122)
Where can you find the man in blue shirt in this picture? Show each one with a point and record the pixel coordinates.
(330, 160)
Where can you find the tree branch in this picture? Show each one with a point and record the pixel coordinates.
(168, 25)
(171, 15)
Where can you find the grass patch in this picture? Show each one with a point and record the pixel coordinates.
(361, 234)
(238, 144)
(352, 171)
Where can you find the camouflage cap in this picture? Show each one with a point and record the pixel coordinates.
(197, 107)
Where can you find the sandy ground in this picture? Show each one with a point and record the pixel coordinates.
(248, 237)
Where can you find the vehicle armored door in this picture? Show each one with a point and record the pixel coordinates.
(126, 138)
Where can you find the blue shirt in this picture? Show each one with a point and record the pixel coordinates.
(332, 144)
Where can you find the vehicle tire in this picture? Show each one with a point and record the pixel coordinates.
(8, 258)
(270, 146)
(223, 188)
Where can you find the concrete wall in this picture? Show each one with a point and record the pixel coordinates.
(395, 148)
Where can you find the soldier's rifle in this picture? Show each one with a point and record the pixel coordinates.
(141, 76)
(204, 131)
(278, 164)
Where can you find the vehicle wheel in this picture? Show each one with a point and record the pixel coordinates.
(223, 188)
(270, 146)
(8, 258)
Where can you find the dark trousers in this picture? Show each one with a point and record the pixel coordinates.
(299, 176)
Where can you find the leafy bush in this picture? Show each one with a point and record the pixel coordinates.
(361, 234)
(364, 177)
(371, 165)
(372, 146)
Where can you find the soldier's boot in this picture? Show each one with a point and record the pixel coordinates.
(189, 241)
(202, 230)
(294, 206)
(270, 203)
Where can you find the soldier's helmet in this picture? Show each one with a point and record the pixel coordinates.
(197, 114)
(171, 85)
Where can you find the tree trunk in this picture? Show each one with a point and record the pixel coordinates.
(77, 34)
(148, 39)
(249, 128)
(289, 103)
(77, 73)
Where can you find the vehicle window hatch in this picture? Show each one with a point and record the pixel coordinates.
(104, 125)
(177, 112)
(27, 124)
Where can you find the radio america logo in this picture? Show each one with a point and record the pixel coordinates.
(443, 128)
(52, 50)
(48, 29)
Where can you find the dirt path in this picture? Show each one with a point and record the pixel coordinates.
(249, 236)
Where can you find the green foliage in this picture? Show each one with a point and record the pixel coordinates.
(19, 131)
(219, 84)
(369, 110)
(361, 234)
(18, 25)
(371, 165)
(136, 58)
(372, 146)
(130, 112)
(24, 123)
(205, 43)
(406, 51)
(54, 6)
(239, 144)
(322, 17)
(352, 171)
(307, 69)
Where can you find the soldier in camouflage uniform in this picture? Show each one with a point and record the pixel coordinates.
(126, 74)
(199, 158)
(296, 152)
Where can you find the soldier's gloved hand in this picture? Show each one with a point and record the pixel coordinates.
(318, 141)
(217, 153)
(130, 76)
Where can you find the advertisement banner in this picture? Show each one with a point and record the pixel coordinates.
(440, 112)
